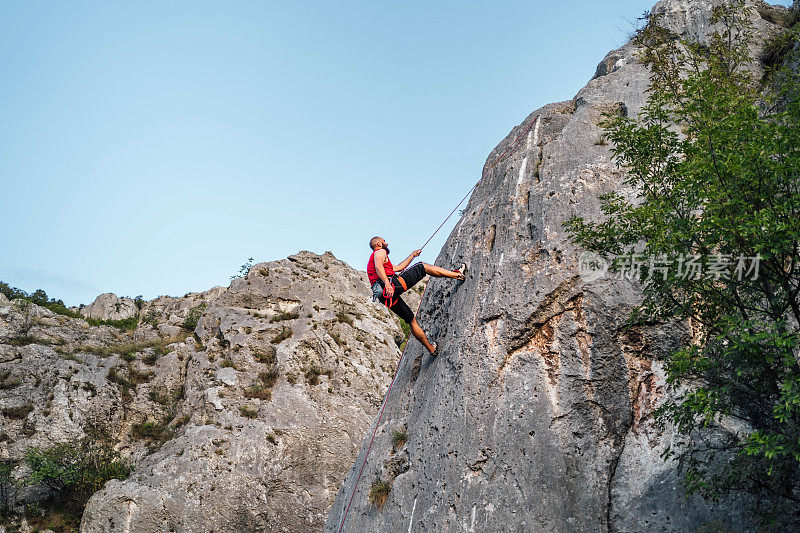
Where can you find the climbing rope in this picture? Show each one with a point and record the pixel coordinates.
(505, 152)
(378, 423)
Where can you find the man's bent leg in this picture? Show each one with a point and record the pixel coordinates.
(440, 272)
(420, 335)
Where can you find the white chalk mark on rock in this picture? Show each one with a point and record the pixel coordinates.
(131, 509)
(472, 524)
(411, 522)
(522, 171)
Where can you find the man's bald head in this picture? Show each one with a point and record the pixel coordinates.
(373, 242)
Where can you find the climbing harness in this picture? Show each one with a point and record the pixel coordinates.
(505, 152)
(379, 291)
(390, 299)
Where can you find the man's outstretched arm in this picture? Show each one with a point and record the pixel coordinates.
(407, 261)
(380, 258)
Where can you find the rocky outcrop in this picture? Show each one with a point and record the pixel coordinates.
(241, 408)
(109, 306)
(266, 457)
(537, 414)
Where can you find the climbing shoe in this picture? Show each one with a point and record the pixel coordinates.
(463, 271)
(435, 351)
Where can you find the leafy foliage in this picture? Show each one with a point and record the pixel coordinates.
(8, 485)
(38, 297)
(406, 333)
(715, 159)
(157, 431)
(74, 471)
(193, 317)
(282, 335)
(312, 374)
(244, 269)
(124, 324)
(280, 317)
(247, 412)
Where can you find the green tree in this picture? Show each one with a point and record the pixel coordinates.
(73, 471)
(244, 269)
(39, 297)
(714, 157)
(8, 485)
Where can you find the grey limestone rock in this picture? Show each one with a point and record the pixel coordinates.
(287, 369)
(537, 415)
(109, 306)
(247, 423)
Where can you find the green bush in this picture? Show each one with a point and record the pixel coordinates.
(399, 437)
(193, 317)
(406, 332)
(125, 324)
(313, 374)
(38, 297)
(269, 377)
(284, 334)
(244, 269)
(344, 318)
(151, 317)
(248, 412)
(280, 317)
(151, 430)
(265, 355)
(258, 391)
(379, 493)
(73, 471)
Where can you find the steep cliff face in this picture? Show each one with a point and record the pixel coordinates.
(246, 421)
(537, 414)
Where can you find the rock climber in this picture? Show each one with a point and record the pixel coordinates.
(389, 282)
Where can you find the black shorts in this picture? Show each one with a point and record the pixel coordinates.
(401, 309)
(412, 275)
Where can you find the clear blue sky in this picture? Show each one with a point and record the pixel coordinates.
(152, 147)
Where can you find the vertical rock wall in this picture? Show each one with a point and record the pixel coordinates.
(537, 414)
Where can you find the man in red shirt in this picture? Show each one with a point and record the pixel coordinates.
(389, 282)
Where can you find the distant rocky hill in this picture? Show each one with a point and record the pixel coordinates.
(241, 408)
(537, 415)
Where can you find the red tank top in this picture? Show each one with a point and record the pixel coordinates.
(372, 274)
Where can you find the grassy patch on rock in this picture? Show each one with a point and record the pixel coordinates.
(399, 437)
(379, 493)
(280, 317)
(282, 335)
(248, 412)
(312, 374)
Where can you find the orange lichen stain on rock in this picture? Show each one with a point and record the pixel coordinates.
(583, 339)
(543, 342)
(645, 400)
(490, 235)
(584, 342)
(644, 390)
